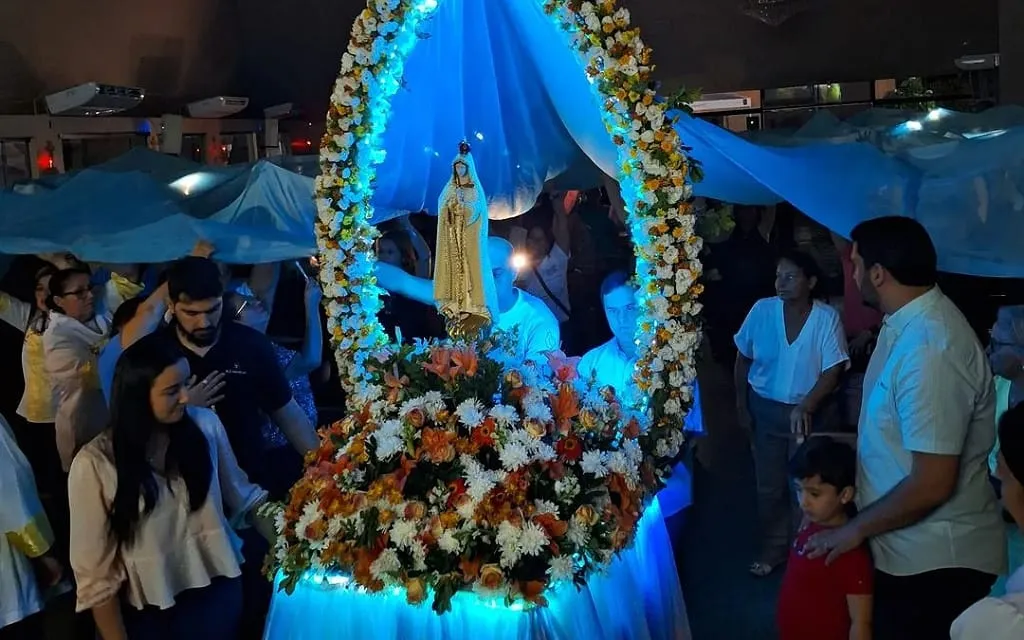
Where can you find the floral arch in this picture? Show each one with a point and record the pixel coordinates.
(653, 173)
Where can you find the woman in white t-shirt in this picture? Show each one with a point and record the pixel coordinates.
(791, 354)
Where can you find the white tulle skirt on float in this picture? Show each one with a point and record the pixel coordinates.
(638, 598)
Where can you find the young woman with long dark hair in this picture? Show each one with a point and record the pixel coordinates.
(152, 550)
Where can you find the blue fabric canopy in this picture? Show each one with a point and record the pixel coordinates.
(251, 214)
(502, 76)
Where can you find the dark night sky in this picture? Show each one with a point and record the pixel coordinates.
(288, 50)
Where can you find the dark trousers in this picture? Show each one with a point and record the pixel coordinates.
(924, 605)
(773, 445)
(208, 613)
(30, 628)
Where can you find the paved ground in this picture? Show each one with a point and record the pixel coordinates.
(715, 545)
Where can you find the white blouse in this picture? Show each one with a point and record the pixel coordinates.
(786, 372)
(175, 549)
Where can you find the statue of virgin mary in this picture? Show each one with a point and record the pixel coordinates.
(463, 285)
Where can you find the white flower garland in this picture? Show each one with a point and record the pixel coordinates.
(654, 179)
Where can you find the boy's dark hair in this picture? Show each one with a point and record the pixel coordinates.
(1011, 440)
(194, 278)
(901, 245)
(124, 314)
(614, 280)
(834, 462)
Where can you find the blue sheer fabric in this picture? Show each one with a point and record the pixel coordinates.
(639, 598)
(499, 75)
(960, 175)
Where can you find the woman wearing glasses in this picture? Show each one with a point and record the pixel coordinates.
(78, 327)
(791, 353)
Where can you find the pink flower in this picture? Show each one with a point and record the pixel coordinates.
(563, 366)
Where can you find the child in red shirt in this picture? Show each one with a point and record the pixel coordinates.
(819, 601)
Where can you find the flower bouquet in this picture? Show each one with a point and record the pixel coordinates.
(463, 472)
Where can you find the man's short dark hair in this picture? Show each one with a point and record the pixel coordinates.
(613, 281)
(1011, 440)
(900, 245)
(194, 278)
(834, 462)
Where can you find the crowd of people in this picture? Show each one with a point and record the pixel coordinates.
(903, 536)
(159, 421)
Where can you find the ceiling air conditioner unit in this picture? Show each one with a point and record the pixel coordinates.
(978, 62)
(712, 102)
(94, 99)
(219, 107)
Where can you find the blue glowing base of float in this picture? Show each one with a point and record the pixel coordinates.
(638, 598)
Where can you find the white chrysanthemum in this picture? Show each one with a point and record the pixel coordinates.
(449, 543)
(433, 402)
(387, 446)
(409, 405)
(403, 533)
(419, 556)
(618, 463)
(467, 509)
(470, 412)
(513, 456)
(504, 415)
(532, 540)
(560, 568)
(540, 507)
(508, 543)
(538, 410)
(310, 515)
(593, 462)
(386, 567)
(578, 534)
(567, 488)
(520, 437)
(543, 452)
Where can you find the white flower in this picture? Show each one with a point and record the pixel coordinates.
(543, 452)
(513, 456)
(567, 488)
(532, 540)
(403, 533)
(310, 515)
(545, 506)
(508, 543)
(449, 543)
(386, 567)
(594, 464)
(470, 412)
(504, 415)
(577, 534)
(433, 402)
(560, 568)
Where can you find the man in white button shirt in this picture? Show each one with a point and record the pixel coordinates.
(926, 428)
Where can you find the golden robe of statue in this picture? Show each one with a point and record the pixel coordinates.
(463, 284)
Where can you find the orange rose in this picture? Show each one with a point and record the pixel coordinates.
(470, 568)
(536, 428)
(514, 379)
(491, 577)
(588, 419)
(585, 515)
(632, 429)
(415, 590)
(533, 591)
(554, 527)
(415, 511)
(416, 417)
